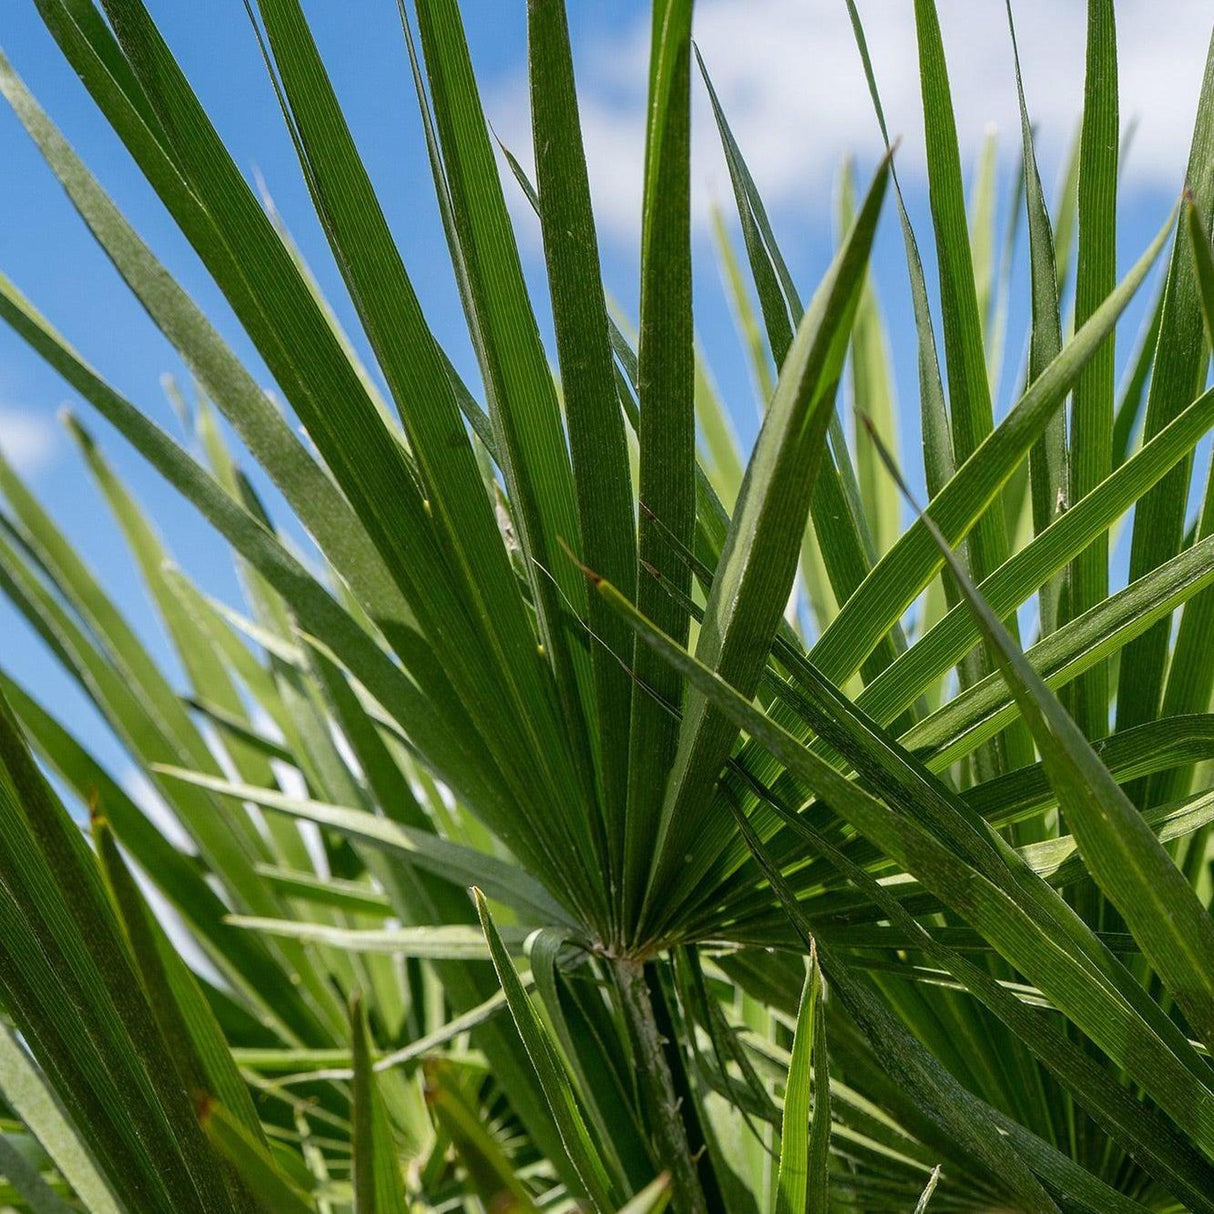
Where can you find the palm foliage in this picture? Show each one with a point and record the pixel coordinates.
(540, 857)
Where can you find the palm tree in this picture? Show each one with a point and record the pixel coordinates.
(539, 856)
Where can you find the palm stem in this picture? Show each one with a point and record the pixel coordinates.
(660, 1101)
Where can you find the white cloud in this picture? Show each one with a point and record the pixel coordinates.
(790, 80)
(27, 439)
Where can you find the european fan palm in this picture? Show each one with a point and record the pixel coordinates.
(540, 858)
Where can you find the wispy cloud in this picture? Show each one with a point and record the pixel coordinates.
(28, 439)
(789, 77)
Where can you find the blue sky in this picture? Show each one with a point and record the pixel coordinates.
(788, 75)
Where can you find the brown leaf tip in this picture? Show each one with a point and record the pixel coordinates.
(595, 579)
